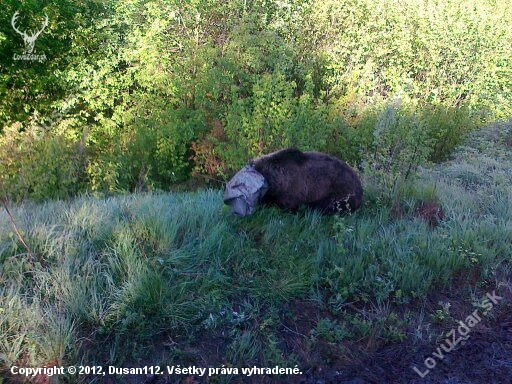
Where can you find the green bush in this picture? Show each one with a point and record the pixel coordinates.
(164, 87)
(38, 164)
(449, 52)
(152, 153)
(273, 118)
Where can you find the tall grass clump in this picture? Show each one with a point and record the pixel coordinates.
(390, 249)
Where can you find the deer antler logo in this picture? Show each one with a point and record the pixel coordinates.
(28, 40)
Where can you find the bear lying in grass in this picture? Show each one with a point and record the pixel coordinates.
(293, 178)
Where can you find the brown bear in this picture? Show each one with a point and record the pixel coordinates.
(315, 179)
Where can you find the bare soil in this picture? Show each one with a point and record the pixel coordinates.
(484, 357)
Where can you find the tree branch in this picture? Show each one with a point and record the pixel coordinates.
(5, 204)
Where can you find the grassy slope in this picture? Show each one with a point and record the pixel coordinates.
(174, 279)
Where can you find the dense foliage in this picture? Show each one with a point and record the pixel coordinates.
(144, 94)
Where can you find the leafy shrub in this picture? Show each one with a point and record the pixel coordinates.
(37, 164)
(271, 118)
(274, 117)
(188, 85)
(154, 154)
(449, 53)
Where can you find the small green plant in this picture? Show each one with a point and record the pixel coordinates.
(442, 314)
(330, 331)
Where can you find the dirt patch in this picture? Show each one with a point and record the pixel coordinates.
(484, 357)
(430, 211)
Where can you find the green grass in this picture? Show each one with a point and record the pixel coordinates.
(175, 279)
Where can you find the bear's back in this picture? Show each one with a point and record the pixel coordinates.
(313, 178)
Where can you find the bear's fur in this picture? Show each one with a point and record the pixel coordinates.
(315, 179)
